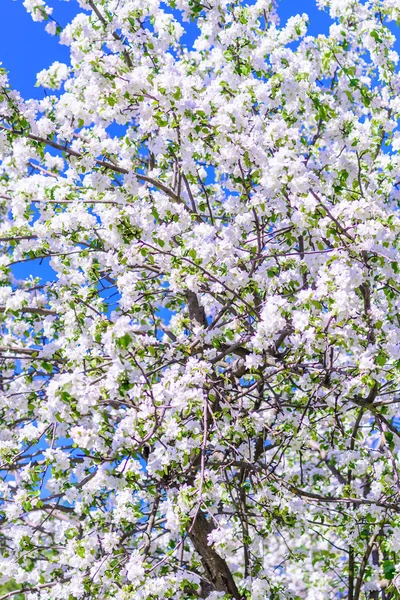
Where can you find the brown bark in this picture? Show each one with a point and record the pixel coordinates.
(196, 311)
(217, 571)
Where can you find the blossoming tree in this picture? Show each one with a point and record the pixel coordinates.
(201, 400)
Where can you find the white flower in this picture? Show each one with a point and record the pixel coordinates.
(134, 567)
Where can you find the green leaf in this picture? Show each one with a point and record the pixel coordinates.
(389, 438)
(380, 359)
(365, 96)
(326, 61)
(389, 569)
(177, 94)
(374, 34)
(125, 341)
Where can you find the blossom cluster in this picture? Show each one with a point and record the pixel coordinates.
(201, 401)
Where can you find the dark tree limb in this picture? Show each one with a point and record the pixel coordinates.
(216, 569)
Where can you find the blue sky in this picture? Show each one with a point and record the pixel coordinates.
(25, 48)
